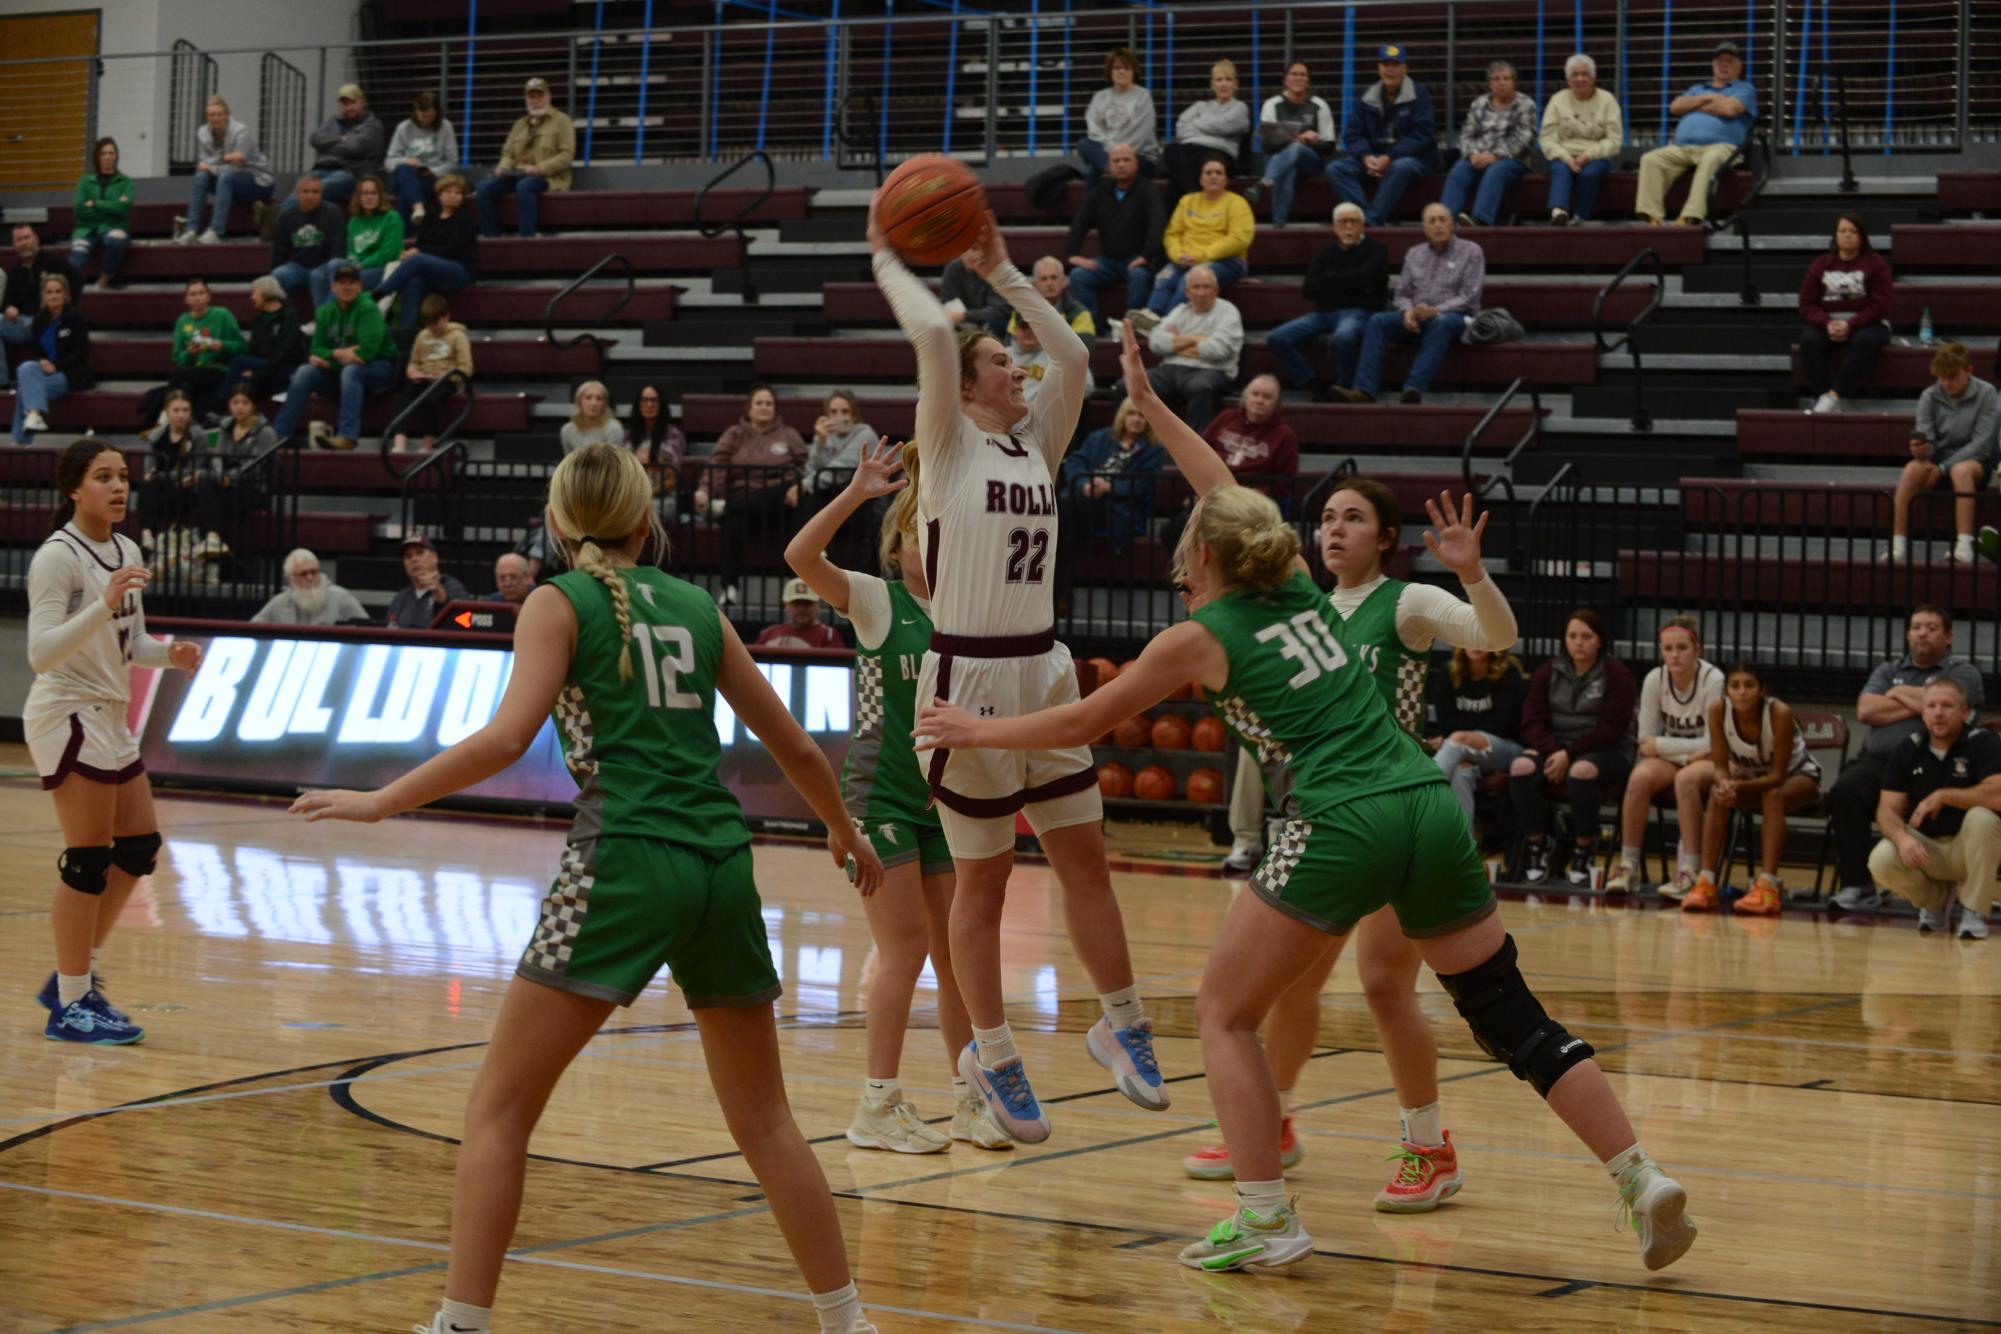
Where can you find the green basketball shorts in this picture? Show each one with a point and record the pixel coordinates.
(900, 842)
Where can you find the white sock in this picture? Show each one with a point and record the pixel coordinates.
(93, 966)
(72, 989)
(1421, 1126)
(1266, 1197)
(1900, 547)
(465, 1318)
(881, 1092)
(996, 1046)
(839, 1311)
(1962, 546)
(1632, 1159)
(1122, 1008)
(960, 1088)
(1629, 857)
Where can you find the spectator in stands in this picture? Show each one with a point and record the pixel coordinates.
(206, 339)
(1212, 228)
(1941, 815)
(1495, 144)
(275, 343)
(1390, 137)
(1845, 301)
(414, 607)
(747, 484)
(103, 202)
(229, 169)
(308, 598)
(652, 434)
(1106, 488)
(839, 436)
(374, 240)
(1347, 282)
(1761, 763)
(1032, 359)
(1437, 291)
(32, 265)
(1891, 706)
(1257, 446)
(167, 493)
(1199, 343)
(423, 149)
(310, 231)
(1130, 220)
(1120, 113)
(536, 157)
(243, 435)
(592, 422)
(1715, 121)
(1957, 436)
(1582, 131)
(511, 580)
(351, 358)
(58, 360)
(968, 299)
(1054, 283)
(440, 348)
(349, 145)
(802, 626)
(1296, 131)
(1477, 720)
(1209, 131)
(1577, 724)
(442, 257)
(1673, 754)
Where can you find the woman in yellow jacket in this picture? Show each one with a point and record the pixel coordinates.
(1212, 226)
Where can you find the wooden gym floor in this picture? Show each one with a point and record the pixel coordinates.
(279, 1152)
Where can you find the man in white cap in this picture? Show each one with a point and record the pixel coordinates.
(415, 607)
(802, 626)
(538, 155)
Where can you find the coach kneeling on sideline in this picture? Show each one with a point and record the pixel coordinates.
(1952, 834)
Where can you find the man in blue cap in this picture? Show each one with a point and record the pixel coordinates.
(1390, 137)
(1715, 121)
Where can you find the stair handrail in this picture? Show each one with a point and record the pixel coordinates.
(549, 311)
(1503, 477)
(734, 223)
(1628, 338)
(454, 381)
(872, 143)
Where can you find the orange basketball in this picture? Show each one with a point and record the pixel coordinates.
(1206, 785)
(1106, 669)
(1210, 734)
(931, 208)
(1115, 780)
(1133, 731)
(1154, 783)
(1170, 732)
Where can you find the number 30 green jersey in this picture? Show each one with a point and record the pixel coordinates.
(644, 752)
(1298, 698)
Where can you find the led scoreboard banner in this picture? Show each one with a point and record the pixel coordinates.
(277, 708)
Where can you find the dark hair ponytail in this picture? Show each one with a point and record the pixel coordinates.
(72, 466)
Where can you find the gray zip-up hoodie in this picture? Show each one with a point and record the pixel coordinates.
(236, 139)
(830, 462)
(1950, 425)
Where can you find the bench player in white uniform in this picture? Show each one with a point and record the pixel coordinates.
(986, 512)
(85, 630)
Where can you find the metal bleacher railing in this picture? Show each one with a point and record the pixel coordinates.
(1921, 75)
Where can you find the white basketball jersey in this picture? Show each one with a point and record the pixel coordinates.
(987, 530)
(1686, 717)
(70, 573)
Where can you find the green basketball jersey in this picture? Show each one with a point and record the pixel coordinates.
(644, 752)
(1370, 633)
(881, 779)
(1297, 697)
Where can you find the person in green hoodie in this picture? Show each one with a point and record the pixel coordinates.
(103, 202)
(206, 336)
(352, 358)
(374, 240)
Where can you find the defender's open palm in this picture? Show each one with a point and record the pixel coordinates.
(1132, 364)
(880, 471)
(1456, 541)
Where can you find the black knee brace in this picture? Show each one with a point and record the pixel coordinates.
(136, 854)
(1509, 1022)
(85, 869)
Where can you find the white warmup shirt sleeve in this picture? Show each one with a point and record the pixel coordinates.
(1650, 705)
(146, 650)
(1483, 620)
(940, 423)
(868, 609)
(54, 635)
(1053, 415)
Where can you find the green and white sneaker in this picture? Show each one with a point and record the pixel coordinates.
(1989, 542)
(1248, 1237)
(895, 1126)
(972, 1123)
(1654, 1205)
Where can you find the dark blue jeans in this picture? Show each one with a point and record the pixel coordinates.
(1282, 169)
(416, 277)
(412, 186)
(1485, 186)
(350, 384)
(527, 192)
(1167, 288)
(1350, 181)
(1288, 341)
(1563, 181)
(1434, 339)
(1086, 283)
(229, 186)
(114, 243)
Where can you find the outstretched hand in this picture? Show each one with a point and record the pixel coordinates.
(1456, 541)
(989, 250)
(880, 471)
(338, 804)
(1133, 365)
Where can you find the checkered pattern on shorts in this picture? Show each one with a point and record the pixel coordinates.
(573, 717)
(1244, 721)
(1276, 869)
(1411, 675)
(868, 692)
(562, 913)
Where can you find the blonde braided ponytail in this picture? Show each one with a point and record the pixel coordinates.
(599, 494)
(589, 557)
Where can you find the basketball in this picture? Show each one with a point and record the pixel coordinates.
(1210, 734)
(1154, 783)
(1115, 780)
(1170, 732)
(1133, 732)
(1206, 785)
(1106, 669)
(931, 208)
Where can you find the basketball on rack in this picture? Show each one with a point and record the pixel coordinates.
(1210, 734)
(1106, 670)
(1154, 783)
(1115, 780)
(1206, 785)
(1133, 731)
(931, 209)
(1170, 732)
